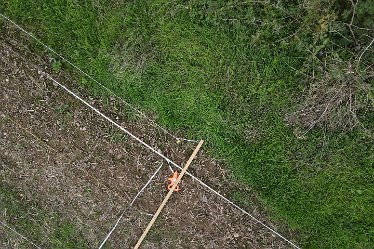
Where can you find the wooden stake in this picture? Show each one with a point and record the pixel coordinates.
(169, 194)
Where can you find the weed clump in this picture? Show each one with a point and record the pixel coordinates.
(333, 100)
(338, 69)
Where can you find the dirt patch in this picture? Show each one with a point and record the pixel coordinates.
(61, 155)
(11, 240)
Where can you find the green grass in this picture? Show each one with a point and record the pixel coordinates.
(19, 213)
(212, 80)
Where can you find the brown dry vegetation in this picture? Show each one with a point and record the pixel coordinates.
(333, 100)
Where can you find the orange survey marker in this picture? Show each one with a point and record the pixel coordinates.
(172, 180)
(174, 186)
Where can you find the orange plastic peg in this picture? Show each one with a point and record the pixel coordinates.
(172, 180)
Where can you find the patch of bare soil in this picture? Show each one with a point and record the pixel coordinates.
(56, 152)
(9, 239)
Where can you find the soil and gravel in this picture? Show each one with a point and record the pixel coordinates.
(61, 156)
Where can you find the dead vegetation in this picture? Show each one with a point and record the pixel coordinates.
(334, 100)
(340, 84)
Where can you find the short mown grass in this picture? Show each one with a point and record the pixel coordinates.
(212, 79)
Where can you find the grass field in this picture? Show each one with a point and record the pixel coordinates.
(202, 71)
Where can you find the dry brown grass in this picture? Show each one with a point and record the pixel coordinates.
(334, 99)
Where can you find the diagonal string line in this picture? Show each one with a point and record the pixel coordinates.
(148, 146)
(129, 206)
(97, 82)
(166, 158)
(23, 237)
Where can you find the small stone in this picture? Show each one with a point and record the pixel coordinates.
(119, 156)
(236, 235)
(204, 199)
